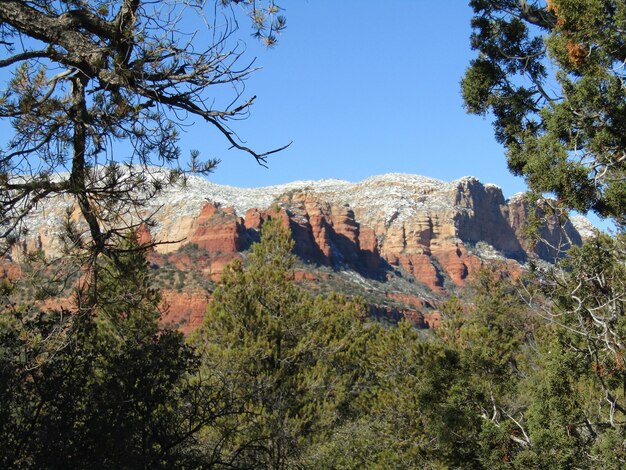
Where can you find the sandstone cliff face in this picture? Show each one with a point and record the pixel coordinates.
(217, 230)
(486, 218)
(184, 310)
(555, 237)
(433, 233)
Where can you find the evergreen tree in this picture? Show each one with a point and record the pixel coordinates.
(493, 335)
(552, 73)
(107, 387)
(288, 360)
(83, 75)
(579, 394)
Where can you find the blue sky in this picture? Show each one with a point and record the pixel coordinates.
(362, 88)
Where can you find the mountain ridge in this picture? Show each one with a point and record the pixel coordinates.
(412, 239)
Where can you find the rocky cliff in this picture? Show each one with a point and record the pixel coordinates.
(403, 240)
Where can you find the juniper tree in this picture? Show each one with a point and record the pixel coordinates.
(111, 389)
(553, 76)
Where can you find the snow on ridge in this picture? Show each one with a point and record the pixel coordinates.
(468, 179)
(402, 178)
(391, 197)
(493, 186)
(388, 198)
(199, 190)
(517, 197)
(583, 225)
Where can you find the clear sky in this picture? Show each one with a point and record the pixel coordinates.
(362, 88)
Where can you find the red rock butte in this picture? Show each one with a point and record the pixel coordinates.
(380, 235)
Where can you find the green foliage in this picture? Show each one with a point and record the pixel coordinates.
(290, 361)
(454, 401)
(104, 386)
(552, 75)
(492, 337)
(542, 363)
(421, 399)
(588, 303)
(554, 400)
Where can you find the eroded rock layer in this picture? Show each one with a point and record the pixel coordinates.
(431, 233)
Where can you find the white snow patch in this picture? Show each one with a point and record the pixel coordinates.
(390, 198)
(584, 227)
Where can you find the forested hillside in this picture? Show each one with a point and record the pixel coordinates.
(525, 367)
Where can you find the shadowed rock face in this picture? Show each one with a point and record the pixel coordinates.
(486, 218)
(433, 233)
(426, 228)
(555, 237)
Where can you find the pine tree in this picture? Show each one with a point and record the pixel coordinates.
(105, 388)
(289, 361)
(82, 76)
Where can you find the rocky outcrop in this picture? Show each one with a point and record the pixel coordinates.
(428, 232)
(554, 237)
(144, 237)
(184, 309)
(9, 270)
(485, 218)
(217, 230)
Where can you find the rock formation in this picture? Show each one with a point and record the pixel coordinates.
(431, 233)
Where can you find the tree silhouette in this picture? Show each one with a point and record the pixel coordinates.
(87, 75)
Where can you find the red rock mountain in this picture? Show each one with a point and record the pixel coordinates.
(403, 241)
